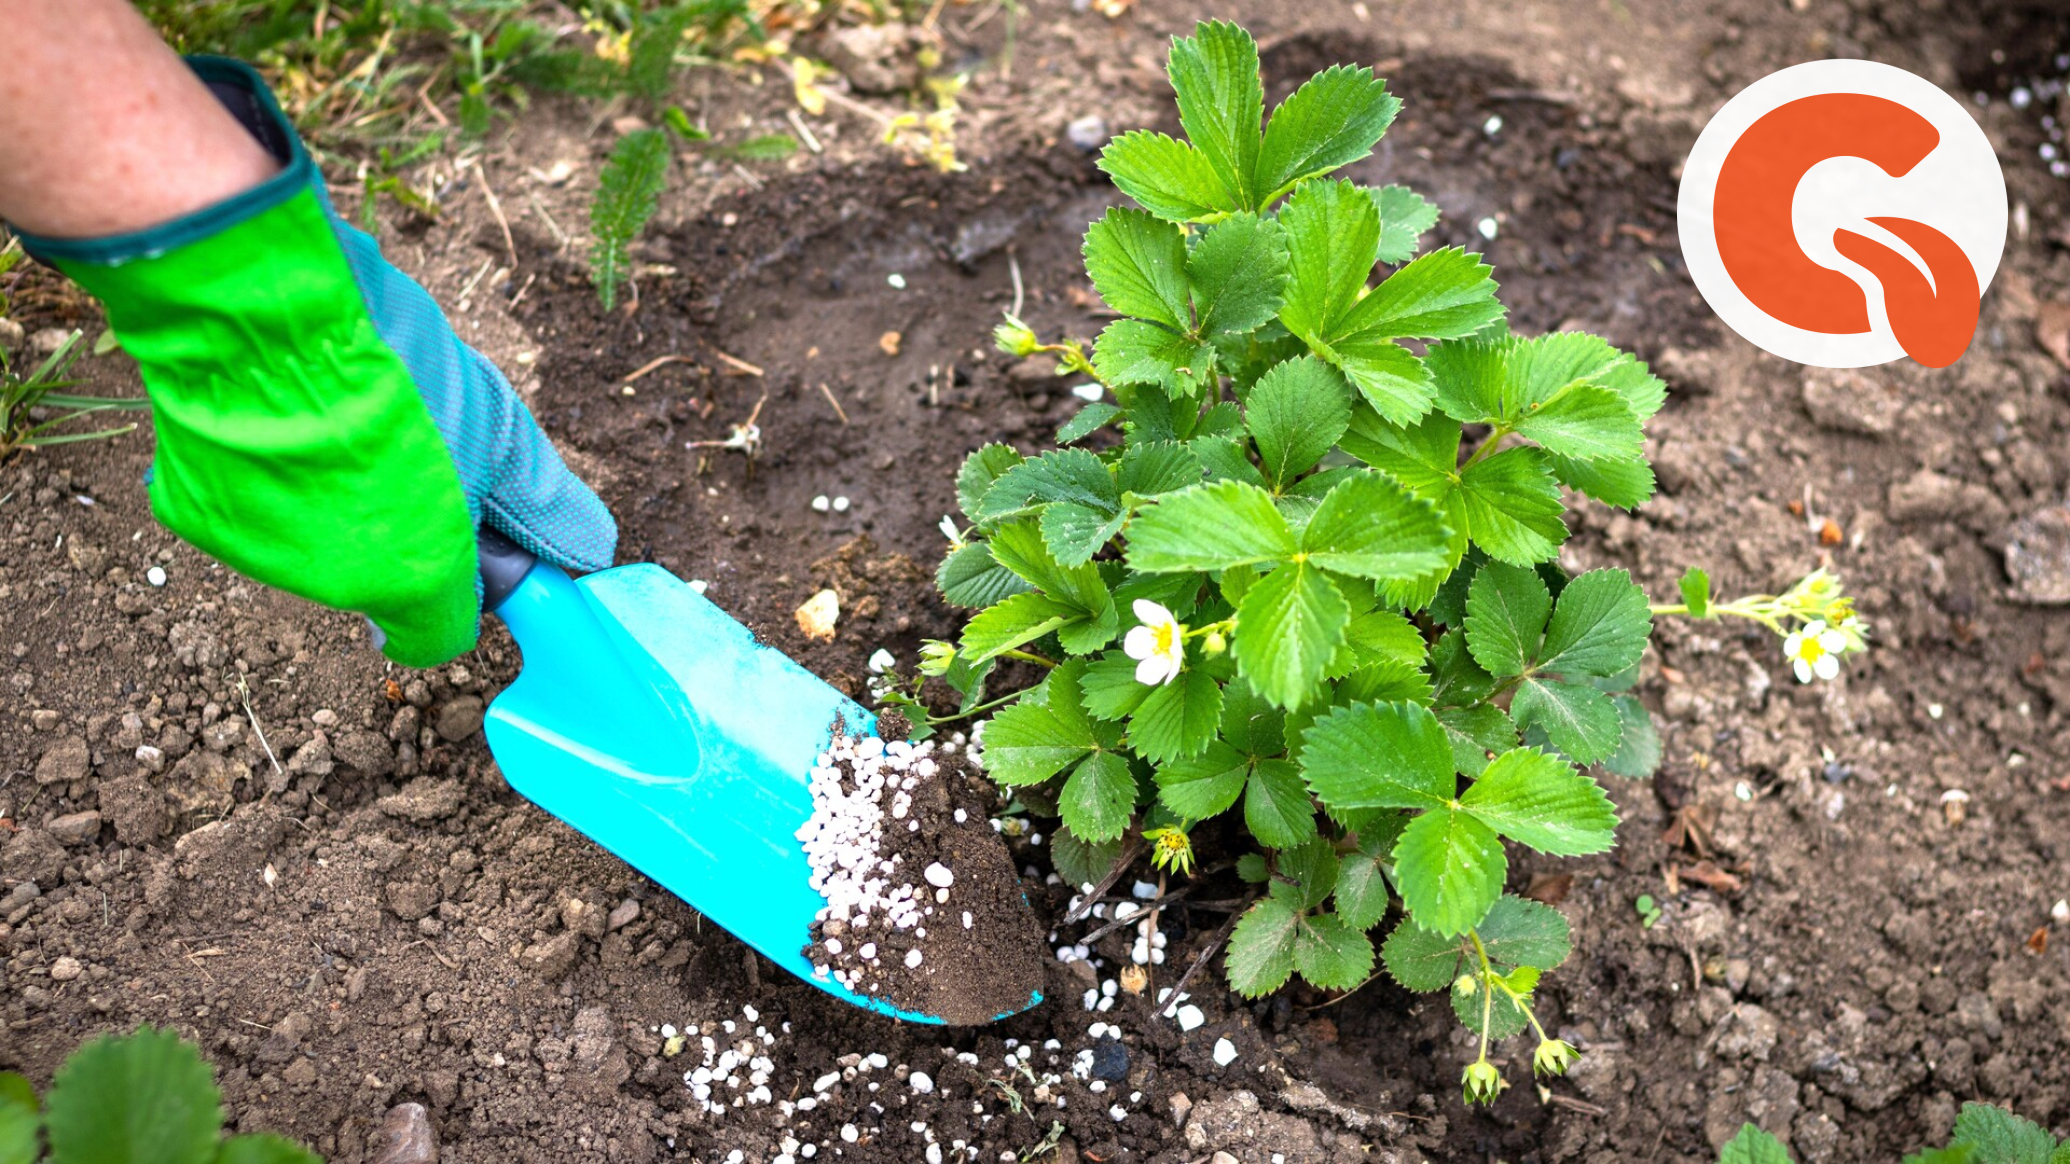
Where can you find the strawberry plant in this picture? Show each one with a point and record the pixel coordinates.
(1313, 582)
(142, 1096)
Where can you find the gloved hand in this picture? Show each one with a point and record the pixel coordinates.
(320, 427)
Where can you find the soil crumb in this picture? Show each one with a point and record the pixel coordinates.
(923, 907)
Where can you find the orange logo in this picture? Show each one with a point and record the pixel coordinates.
(1804, 210)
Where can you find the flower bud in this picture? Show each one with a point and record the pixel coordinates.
(1483, 1082)
(936, 657)
(1553, 1057)
(1016, 338)
(1214, 643)
(1465, 985)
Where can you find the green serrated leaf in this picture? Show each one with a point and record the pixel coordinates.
(1623, 482)
(1580, 721)
(1753, 1146)
(1250, 723)
(1131, 351)
(1522, 932)
(1511, 505)
(1075, 533)
(1371, 527)
(1392, 681)
(1079, 861)
(1093, 628)
(1151, 468)
(1696, 592)
(1204, 785)
(1445, 294)
(1478, 733)
(1109, 690)
(1331, 121)
(1997, 1136)
(969, 577)
(1387, 376)
(1042, 734)
(1253, 869)
(1361, 894)
(1295, 413)
(1584, 422)
(1238, 271)
(1599, 628)
(1016, 620)
(1020, 547)
(1404, 216)
(1177, 719)
(265, 1149)
(980, 471)
(1287, 627)
(1330, 954)
(1449, 868)
(1375, 637)
(1333, 240)
(1214, 74)
(1276, 807)
(1086, 421)
(143, 1098)
(1539, 800)
(1261, 949)
(1099, 797)
(1224, 459)
(1389, 755)
(1166, 177)
(1073, 475)
(1638, 746)
(1137, 262)
(1506, 612)
(1423, 961)
(1209, 528)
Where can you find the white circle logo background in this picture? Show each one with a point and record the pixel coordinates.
(1958, 189)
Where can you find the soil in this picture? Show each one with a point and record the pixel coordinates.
(376, 918)
(980, 948)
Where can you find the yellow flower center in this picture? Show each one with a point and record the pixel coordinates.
(1166, 632)
(1811, 650)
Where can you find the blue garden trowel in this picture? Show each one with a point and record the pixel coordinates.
(656, 725)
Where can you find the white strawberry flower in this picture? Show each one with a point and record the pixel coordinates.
(1815, 651)
(1158, 646)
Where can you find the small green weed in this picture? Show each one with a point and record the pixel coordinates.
(1984, 1134)
(34, 406)
(628, 191)
(142, 1096)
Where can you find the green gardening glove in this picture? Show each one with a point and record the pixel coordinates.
(320, 427)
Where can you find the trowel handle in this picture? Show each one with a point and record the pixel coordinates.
(504, 564)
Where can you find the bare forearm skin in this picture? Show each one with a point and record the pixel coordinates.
(103, 130)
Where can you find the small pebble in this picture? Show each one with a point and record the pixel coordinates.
(939, 875)
(155, 575)
(897, 281)
(1190, 1017)
(1488, 228)
(821, 504)
(406, 1136)
(840, 505)
(1225, 1052)
(2061, 911)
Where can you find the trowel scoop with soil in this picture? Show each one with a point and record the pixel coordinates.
(656, 725)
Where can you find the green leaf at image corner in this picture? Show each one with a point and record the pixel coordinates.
(143, 1098)
(1166, 177)
(1997, 1136)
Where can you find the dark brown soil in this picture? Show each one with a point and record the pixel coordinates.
(380, 919)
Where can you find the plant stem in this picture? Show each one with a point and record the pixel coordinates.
(1487, 446)
(1487, 991)
(1027, 656)
(933, 721)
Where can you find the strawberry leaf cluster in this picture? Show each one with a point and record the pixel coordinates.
(1328, 491)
